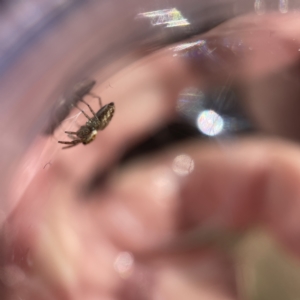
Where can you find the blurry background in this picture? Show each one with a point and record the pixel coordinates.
(225, 68)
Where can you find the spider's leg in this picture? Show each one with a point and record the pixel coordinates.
(89, 107)
(72, 137)
(71, 143)
(67, 147)
(75, 142)
(95, 96)
(82, 112)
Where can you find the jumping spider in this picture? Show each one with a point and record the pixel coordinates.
(87, 133)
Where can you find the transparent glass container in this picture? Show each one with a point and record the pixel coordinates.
(159, 203)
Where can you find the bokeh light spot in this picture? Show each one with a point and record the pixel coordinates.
(183, 165)
(124, 264)
(210, 123)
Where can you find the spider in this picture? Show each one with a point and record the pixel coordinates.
(87, 133)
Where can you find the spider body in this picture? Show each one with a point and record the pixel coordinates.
(102, 117)
(88, 132)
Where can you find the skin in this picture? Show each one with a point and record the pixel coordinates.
(59, 243)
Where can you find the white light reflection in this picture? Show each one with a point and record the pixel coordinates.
(124, 264)
(210, 123)
(185, 46)
(259, 7)
(170, 17)
(283, 6)
(183, 165)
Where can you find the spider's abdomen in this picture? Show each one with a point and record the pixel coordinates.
(105, 114)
